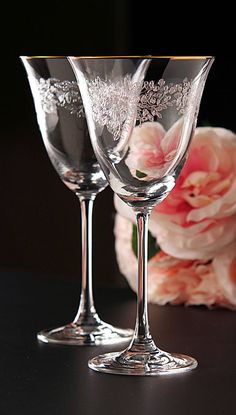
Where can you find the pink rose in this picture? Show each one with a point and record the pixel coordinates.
(224, 266)
(198, 218)
(175, 281)
(195, 226)
(153, 150)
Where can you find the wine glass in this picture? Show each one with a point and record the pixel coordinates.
(65, 134)
(141, 114)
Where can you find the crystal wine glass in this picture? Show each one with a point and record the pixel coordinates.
(65, 134)
(141, 113)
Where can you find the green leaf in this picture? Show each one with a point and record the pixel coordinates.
(140, 174)
(153, 248)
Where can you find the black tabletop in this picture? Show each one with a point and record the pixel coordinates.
(45, 379)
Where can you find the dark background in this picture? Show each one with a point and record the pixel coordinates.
(39, 216)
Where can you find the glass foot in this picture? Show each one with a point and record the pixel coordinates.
(142, 364)
(85, 335)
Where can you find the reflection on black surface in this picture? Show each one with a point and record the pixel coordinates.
(37, 378)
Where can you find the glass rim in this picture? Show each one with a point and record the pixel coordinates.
(173, 57)
(42, 57)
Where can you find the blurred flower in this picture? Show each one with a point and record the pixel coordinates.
(152, 149)
(198, 218)
(195, 226)
(177, 281)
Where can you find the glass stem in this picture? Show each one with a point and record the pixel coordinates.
(142, 340)
(86, 314)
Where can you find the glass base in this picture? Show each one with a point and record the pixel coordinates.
(85, 335)
(142, 364)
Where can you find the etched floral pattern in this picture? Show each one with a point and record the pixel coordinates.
(65, 94)
(115, 104)
(155, 98)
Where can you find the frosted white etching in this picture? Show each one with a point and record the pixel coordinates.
(115, 104)
(155, 98)
(65, 94)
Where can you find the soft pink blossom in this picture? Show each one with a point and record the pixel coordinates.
(195, 225)
(198, 218)
(178, 281)
(224, 266)
(175, 281)
(153, 151)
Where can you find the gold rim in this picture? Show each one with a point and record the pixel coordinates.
(44, 57)
(143, 57)
(121, 57)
